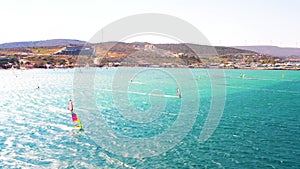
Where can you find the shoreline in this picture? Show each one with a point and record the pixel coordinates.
(104, 67)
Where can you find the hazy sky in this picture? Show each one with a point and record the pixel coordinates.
(223, 22)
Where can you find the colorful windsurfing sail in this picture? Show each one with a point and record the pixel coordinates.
(76, 120)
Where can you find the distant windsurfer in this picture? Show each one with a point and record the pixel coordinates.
(178, 92)
(76, 121)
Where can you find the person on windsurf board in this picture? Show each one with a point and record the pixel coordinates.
(76, 121)
(178, 93)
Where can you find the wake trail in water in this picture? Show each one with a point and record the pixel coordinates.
(141, 93)
(137, 83)
(263, 79)
(269, 90)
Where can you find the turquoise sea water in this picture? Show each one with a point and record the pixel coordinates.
(259, 127)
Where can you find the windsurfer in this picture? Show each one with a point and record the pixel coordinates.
(178, 92)
(76, 121)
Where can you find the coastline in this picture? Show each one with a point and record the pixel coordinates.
(153, 67)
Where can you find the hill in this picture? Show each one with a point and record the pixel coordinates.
(143, 52)
(59, 53)
(272, 50)
(44, 43)
(127, 48)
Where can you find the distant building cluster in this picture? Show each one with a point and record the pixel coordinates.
(76, 50)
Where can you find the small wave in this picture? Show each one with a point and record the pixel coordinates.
(60, 126)
(217, 163)
(115, 161)
(57, 110)
(9, 142)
